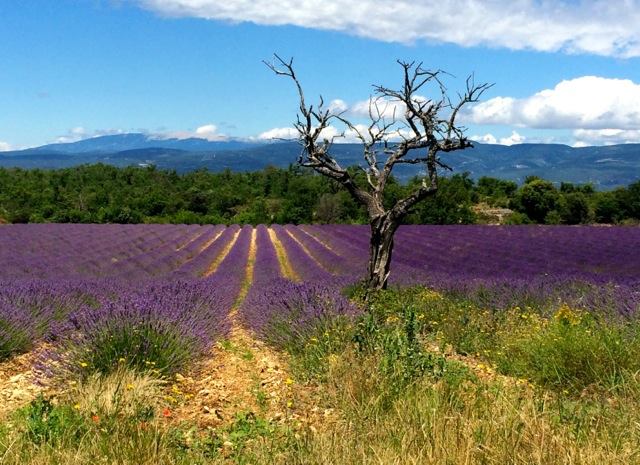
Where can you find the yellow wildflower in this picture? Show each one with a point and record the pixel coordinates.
(566, 314)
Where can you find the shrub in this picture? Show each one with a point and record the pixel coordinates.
(158, 328)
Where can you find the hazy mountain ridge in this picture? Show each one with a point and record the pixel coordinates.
(604, 166)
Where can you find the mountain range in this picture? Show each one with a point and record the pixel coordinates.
(605, 167)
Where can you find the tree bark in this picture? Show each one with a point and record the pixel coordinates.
(383, 229)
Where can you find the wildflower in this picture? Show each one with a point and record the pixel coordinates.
(84, 364)
(567, 315)
(166, 412)
(121, 360)
(95, 418)
(77, 406)
(130, 387)
(289, 382)
(289, 404)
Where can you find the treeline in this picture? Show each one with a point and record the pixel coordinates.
(106, 194)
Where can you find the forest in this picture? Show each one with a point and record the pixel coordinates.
(106, 194)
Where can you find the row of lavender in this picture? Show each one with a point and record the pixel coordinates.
(134, 292)
(594, 267)
(595, 254)
(284, 312)
(125, 251)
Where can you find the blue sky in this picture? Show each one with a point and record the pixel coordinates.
(565, 72)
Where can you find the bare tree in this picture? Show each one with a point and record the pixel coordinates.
(426, 129)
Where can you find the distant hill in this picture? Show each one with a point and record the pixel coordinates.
(604, 166)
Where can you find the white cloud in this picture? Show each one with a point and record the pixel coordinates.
(587, 102)
(79, 133)
(339, 135)
(586, 137)
(513, 139)
(207, 131)
(489, 138)
(279, 133)
(337, 106)
(600, 27)
(5, 146)
(386, 108)
(291, 133)
(486, 139)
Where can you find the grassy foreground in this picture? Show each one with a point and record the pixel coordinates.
(421, 378)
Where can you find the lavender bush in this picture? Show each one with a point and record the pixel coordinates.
(286, 314)
(159, 327)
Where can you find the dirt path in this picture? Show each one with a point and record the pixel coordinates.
(244, 376)
(190, 240)
(17, 382)
(286, 270)
(307, 251)
(210, 241)
(216, 263)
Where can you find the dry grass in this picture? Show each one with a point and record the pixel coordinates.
(123, 392)
(216, 263)
(286, 269)
(475, 422)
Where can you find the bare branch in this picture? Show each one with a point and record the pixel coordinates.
(426, 128)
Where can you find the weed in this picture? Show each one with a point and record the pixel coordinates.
(45, 422)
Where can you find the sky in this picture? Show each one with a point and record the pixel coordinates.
(563, 71)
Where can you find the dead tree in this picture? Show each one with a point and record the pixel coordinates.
(426, 129)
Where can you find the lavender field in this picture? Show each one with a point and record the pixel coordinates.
(228, 333)
(58, 279)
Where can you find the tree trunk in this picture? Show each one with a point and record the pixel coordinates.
(383, 229)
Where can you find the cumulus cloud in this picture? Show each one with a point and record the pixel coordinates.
(338, 106)
(584, 137)
(587, 102)
(489, 138)
(598, 27)
(383, 107)
(339, 135)
(5, 146)
(207, 131)
(279, 133)
(80, 133)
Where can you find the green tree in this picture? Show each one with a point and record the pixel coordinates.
(536, 198)
(574, 208)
